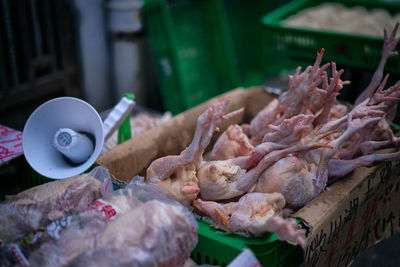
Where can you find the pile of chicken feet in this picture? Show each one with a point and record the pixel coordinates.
(288, 154)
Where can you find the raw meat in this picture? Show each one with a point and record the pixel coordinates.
(254, 214)
(40, 205)
(177, 174)
(134, 226)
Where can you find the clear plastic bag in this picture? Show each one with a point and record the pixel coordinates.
(40, 205)
(155, 233)
(134, 226)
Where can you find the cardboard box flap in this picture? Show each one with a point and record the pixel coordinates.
(354, 213)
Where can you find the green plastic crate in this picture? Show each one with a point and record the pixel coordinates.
(17, 175)
(219, 248)
(193, 50)
(288, 44)
(247, 31)
(205, 48)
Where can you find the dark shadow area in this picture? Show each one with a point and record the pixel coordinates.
(384, 254)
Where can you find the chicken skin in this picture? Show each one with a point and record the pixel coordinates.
(219, 180)
(255, 214)
(231, 144)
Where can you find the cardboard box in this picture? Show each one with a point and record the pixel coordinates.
(354, 213)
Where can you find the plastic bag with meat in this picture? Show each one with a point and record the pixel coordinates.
(40, 205)
(137, 222)
(155, 233)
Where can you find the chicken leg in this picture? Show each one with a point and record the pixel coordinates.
(389, 44)
(340, 168)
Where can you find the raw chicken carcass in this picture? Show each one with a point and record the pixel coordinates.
(303, 97)
(155, 233)
(384, 101)
(389, 96)
(290, 177)
(221, 180)
(338, 111)
(255, 214)
(165, 232)
(263, 118)
(176, 175)
(231, 144)
(369, 147)
(339, 167)
(304, 176)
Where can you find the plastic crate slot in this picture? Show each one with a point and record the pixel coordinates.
(207, 259)
(198, 257)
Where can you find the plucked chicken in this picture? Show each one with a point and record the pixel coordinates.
(153, 234)
(254, 214)
(176, 175)
(288, 154)
(302, 177)
(220, 180)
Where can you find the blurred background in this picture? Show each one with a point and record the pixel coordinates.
(173, 54)
(94, 50)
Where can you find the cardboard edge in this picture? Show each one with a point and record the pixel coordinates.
(328, 201)
(133, 156)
